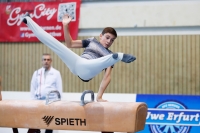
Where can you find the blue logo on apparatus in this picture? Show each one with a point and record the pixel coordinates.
(172, 117)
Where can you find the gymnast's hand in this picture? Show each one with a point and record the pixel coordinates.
(66, 19)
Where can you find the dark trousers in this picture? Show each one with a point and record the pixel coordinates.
(38, 131)
(48, 131)
(33, 131)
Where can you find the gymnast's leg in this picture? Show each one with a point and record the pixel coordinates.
(66, 55)
(87, 69)
(95, 66)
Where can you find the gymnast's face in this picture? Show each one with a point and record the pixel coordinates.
(107, 39)
(46, 61)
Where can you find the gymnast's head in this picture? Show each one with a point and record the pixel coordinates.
(108, 36)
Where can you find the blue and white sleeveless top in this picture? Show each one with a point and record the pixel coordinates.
(93, 49)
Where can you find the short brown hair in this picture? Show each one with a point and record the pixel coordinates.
(109, 30)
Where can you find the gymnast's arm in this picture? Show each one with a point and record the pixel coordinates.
(68, 39)
(104, 83)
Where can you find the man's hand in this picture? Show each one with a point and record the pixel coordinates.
(66, 19)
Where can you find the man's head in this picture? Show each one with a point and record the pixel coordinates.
(46, 61)
(108, 36)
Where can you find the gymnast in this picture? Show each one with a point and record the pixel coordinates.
(95, 58)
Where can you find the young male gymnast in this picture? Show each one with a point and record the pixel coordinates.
(95, 58)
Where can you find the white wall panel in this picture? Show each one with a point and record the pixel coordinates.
(140, 14)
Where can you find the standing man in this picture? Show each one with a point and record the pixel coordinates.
(44, 80)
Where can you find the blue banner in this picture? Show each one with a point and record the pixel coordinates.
(171, 113)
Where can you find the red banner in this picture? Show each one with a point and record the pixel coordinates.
(48, 15)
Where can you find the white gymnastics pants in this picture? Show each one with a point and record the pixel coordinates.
(85, 69)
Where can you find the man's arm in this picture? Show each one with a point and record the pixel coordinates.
(104, 83)
(33, 86)
(68, 39)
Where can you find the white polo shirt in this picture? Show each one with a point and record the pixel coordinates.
(42, 82)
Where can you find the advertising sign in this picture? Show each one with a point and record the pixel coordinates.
(48, 15)
(171, 113)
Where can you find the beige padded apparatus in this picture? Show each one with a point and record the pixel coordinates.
(70, 115)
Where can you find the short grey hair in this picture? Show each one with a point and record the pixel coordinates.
(46, 54)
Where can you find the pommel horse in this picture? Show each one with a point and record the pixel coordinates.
(73, 115)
